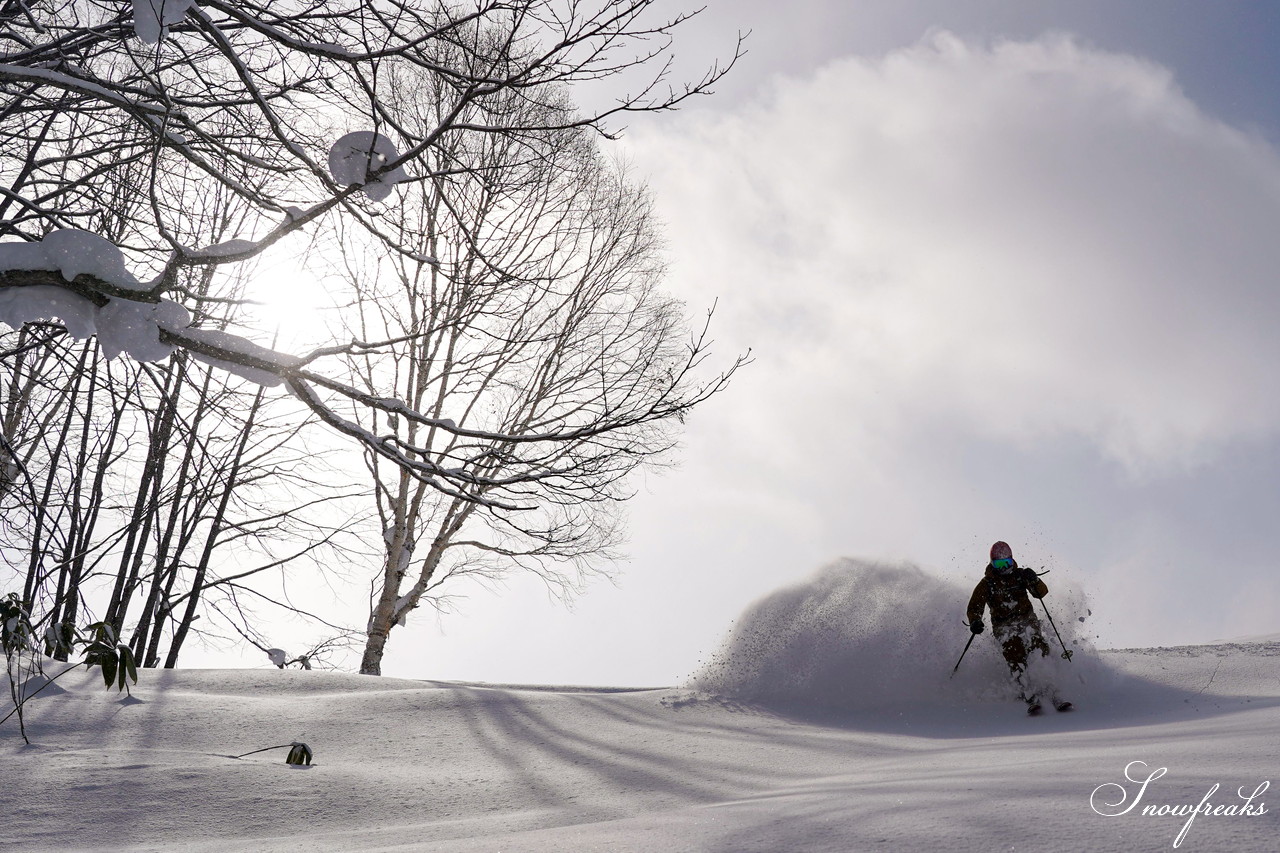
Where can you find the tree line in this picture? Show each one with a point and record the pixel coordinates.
(504, 357)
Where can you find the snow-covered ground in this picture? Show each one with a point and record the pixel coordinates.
(869, 747)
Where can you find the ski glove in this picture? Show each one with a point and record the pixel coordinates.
(1029, 578)
(976, 626)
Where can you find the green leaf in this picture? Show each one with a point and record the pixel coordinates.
(126, 656)
(108, 664)
(299, 754)
(103, 634)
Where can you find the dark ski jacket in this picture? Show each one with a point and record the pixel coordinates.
(1006, 594)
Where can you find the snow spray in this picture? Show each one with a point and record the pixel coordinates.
(867, 635)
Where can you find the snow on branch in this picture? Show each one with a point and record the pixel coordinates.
(203, 133)
(151, 331)
(362, 157)
(79, 279)
(151, 18)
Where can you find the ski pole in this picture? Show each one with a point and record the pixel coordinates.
(963, 653)
(1066, 653)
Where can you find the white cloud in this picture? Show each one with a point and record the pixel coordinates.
(1025, 240)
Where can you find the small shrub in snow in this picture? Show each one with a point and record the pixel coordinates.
(299, 753)
(115, 659)
(281, 659)
(21, 660)
(25, 661)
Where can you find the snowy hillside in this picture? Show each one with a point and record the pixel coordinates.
(865, 750)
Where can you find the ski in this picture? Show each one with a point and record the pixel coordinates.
(1033, 706)
(1062, 706)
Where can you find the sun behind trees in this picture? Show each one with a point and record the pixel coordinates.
(511, 358)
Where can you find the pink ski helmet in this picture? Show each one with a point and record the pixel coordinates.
(1001, 551)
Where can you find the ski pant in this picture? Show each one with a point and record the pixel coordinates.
(1017, 640)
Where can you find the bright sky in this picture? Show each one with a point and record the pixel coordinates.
(1007, 272)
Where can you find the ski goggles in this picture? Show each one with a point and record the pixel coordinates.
(1000, 565)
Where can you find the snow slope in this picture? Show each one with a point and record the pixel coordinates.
(727, 764)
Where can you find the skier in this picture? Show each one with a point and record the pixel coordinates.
(1004, 590)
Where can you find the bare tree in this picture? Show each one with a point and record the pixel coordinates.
(144, 481)
(119, 124)
(539, 312)
(146, 497)
(251, 98)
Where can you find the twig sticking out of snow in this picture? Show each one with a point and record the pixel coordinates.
(299, 752)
